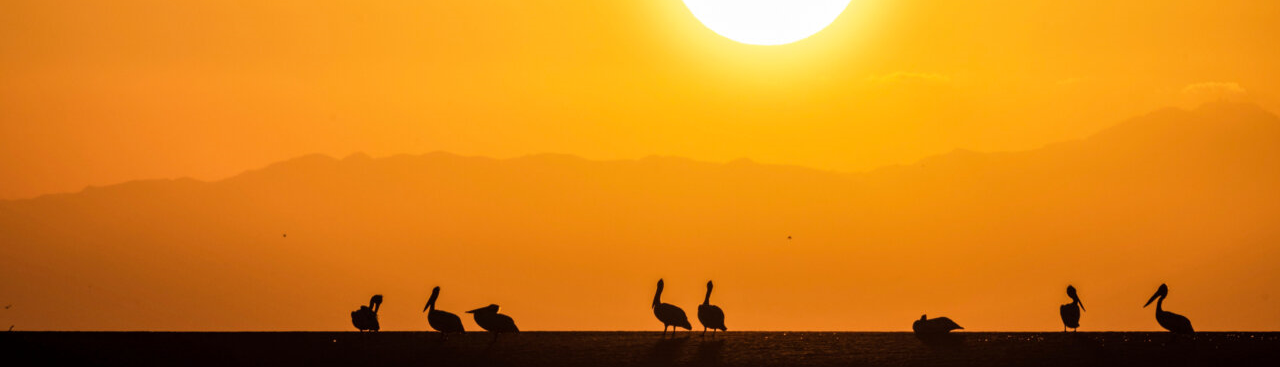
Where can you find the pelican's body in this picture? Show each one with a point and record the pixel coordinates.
(710, 315)
(366, 318)
(925, 327)
(489, 319)
(1168, 320)
(441, 321)
(1071, 312)
(669, 314)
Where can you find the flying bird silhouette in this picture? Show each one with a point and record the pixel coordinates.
(710, 315)
(1071, 312)
(489, 319)
(366, 318)
(1173, 322)
(441, 321)
(669, 314)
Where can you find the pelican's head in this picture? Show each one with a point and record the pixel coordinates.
(375, 302)
(709, 285)
(486, 309)
(657, 296)
(435, 292)
(1160, 293)
(1071, 292)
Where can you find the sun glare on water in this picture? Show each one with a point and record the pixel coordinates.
(766, 22)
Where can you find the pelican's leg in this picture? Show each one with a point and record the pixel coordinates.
(704, 331)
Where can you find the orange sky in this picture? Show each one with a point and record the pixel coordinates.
(103, 92)
(100, 92)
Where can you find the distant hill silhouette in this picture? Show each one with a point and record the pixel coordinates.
(1186, 197)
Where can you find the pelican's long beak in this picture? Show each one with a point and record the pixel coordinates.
(1082, 304)
(478, 309)
(1153, 299)
(424, 308)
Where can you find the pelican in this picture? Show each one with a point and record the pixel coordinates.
(443, 322)
(1071, 312)
(489, 319)
(669, 314)
(1168, 320)
(710, 315)
(366, 318)
(927, 327)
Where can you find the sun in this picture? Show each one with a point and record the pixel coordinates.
(766, 22)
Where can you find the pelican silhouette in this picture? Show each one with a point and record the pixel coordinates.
(489, 319)
(1168, 320)
(669, 314)
(366, 318)
(441, 321)
(1071, 312)
(927, 327)
(710, 315)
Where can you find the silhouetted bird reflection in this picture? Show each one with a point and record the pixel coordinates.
(925, 326)
(669, 314)
(441, 321)
(489, 319)
(1169, 320)
(366, 318)
(710, 315)
(1071, 312)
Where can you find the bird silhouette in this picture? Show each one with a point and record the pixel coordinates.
(669, 314)
(489, 319)
(710, 315)
(1071, 312)
(366, 318)
(927, 327)
(1173, 322)
(441, 321)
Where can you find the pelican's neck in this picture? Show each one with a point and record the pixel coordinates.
(1160, 303)
(657, 297)
(707, 300)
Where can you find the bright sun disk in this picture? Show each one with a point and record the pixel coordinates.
(766, 22)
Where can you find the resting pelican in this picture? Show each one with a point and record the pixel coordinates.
(1168, 320)
(443, 322)
(669, 314)
(366, 318)
(927, 327)
(1071, 312)
(489, 319)
(710, 315)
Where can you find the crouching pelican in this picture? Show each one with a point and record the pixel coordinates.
(489, 319)
(926, 327)
(441, 321)
(366, 318)
(1168, 320)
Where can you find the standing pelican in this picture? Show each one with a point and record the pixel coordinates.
(443, 322)
(669, 314)
(1168, 320)
(366, 318)
(489, 319)
(710, 315)
(1071, 312)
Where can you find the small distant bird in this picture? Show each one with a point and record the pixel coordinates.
(366, 318)
(489, 319)
(710, 315)
(927, 327)
(1071, 312)
(11, 328)
(284, 235)
(669, 314)
(1168, 320)
(7, 306)
(441, 321)
(788, 237)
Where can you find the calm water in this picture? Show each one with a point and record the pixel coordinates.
(642, 349)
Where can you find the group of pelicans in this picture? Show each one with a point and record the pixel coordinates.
(712, 317)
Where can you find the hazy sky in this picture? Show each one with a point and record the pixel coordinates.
(99, 92)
